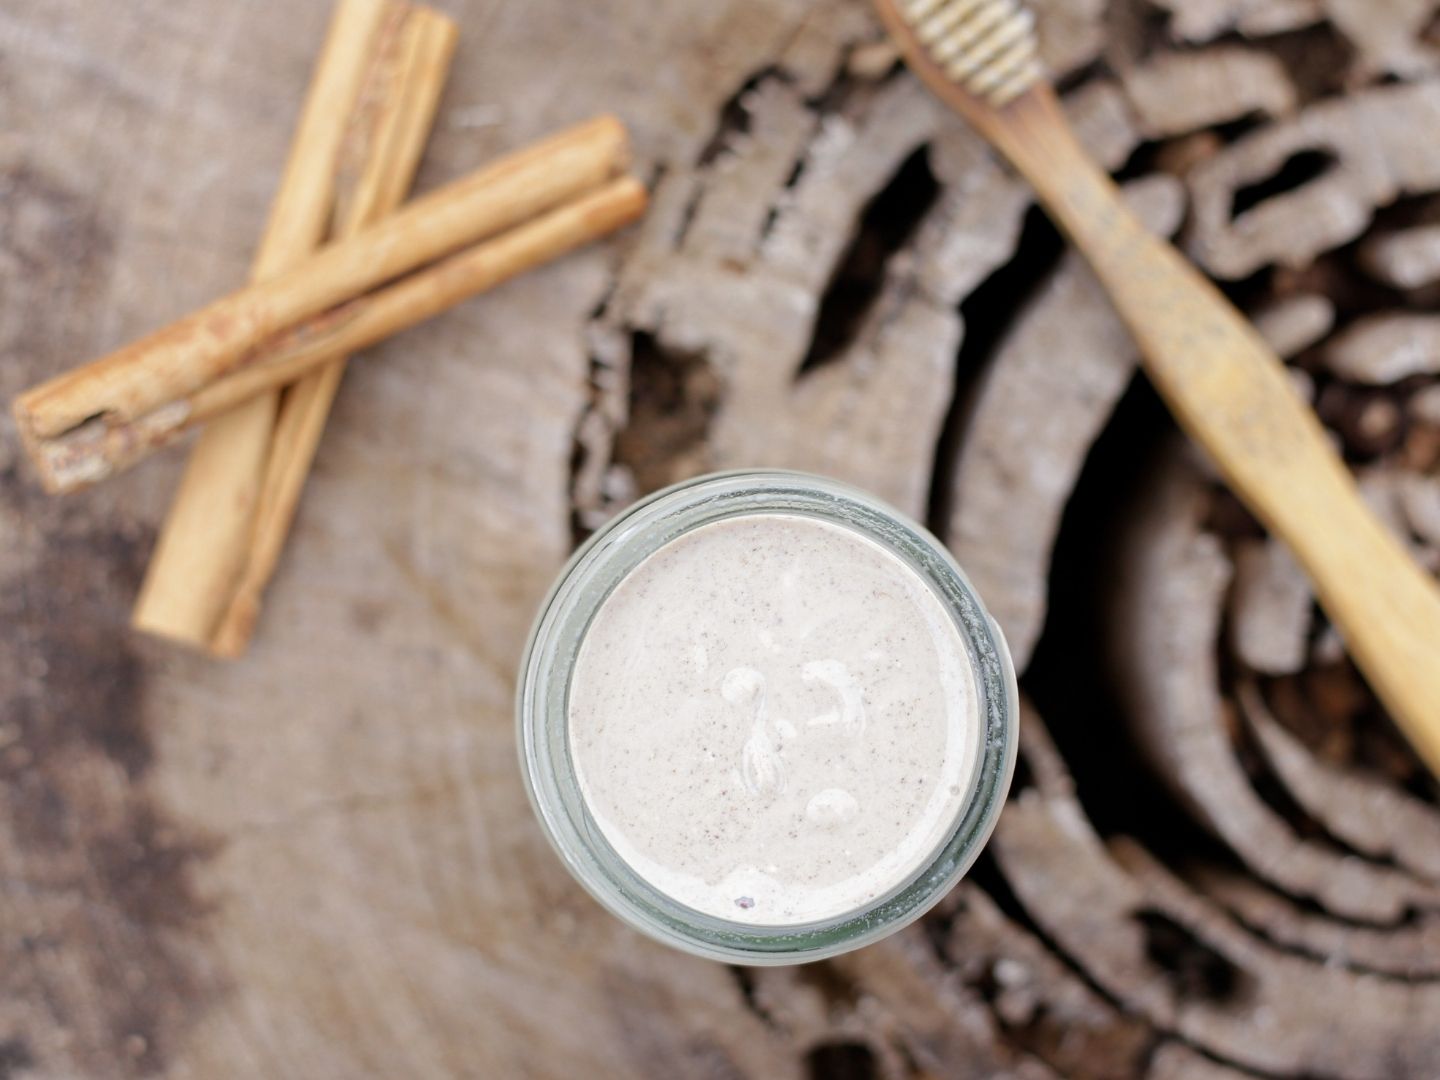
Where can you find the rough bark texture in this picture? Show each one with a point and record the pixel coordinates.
(1219, 861)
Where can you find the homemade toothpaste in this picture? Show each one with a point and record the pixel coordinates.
(773, 720)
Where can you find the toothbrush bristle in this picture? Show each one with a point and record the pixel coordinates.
(987, 46)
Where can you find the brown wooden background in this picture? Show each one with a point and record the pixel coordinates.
(1219, 860)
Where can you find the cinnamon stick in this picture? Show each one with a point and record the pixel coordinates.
(401, 128)
(185, 356)
(97, 450)
(202, 540)
(194, 570)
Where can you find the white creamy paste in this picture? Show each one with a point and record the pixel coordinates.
(773, 720)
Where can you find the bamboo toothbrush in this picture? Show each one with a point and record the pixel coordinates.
(1224, 385)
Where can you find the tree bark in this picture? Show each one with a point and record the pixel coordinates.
(1219, 859)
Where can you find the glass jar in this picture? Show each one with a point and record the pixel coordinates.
(542, 714)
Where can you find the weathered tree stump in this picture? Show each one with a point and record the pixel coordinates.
(1220, 860)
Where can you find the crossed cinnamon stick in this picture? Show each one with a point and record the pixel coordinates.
(368, 113)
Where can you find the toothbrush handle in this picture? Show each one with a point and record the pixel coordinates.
(1230, 393)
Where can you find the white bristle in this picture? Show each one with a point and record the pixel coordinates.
(1001, 66)
(1016, 32)
(970, 34)
(935, 27)
(915, 10)
(988, 46)
(1026, 77)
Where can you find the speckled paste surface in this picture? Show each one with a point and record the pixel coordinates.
(773, 720)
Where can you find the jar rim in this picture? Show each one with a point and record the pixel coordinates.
(596, 569)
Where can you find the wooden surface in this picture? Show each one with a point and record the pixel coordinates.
(319, 862)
